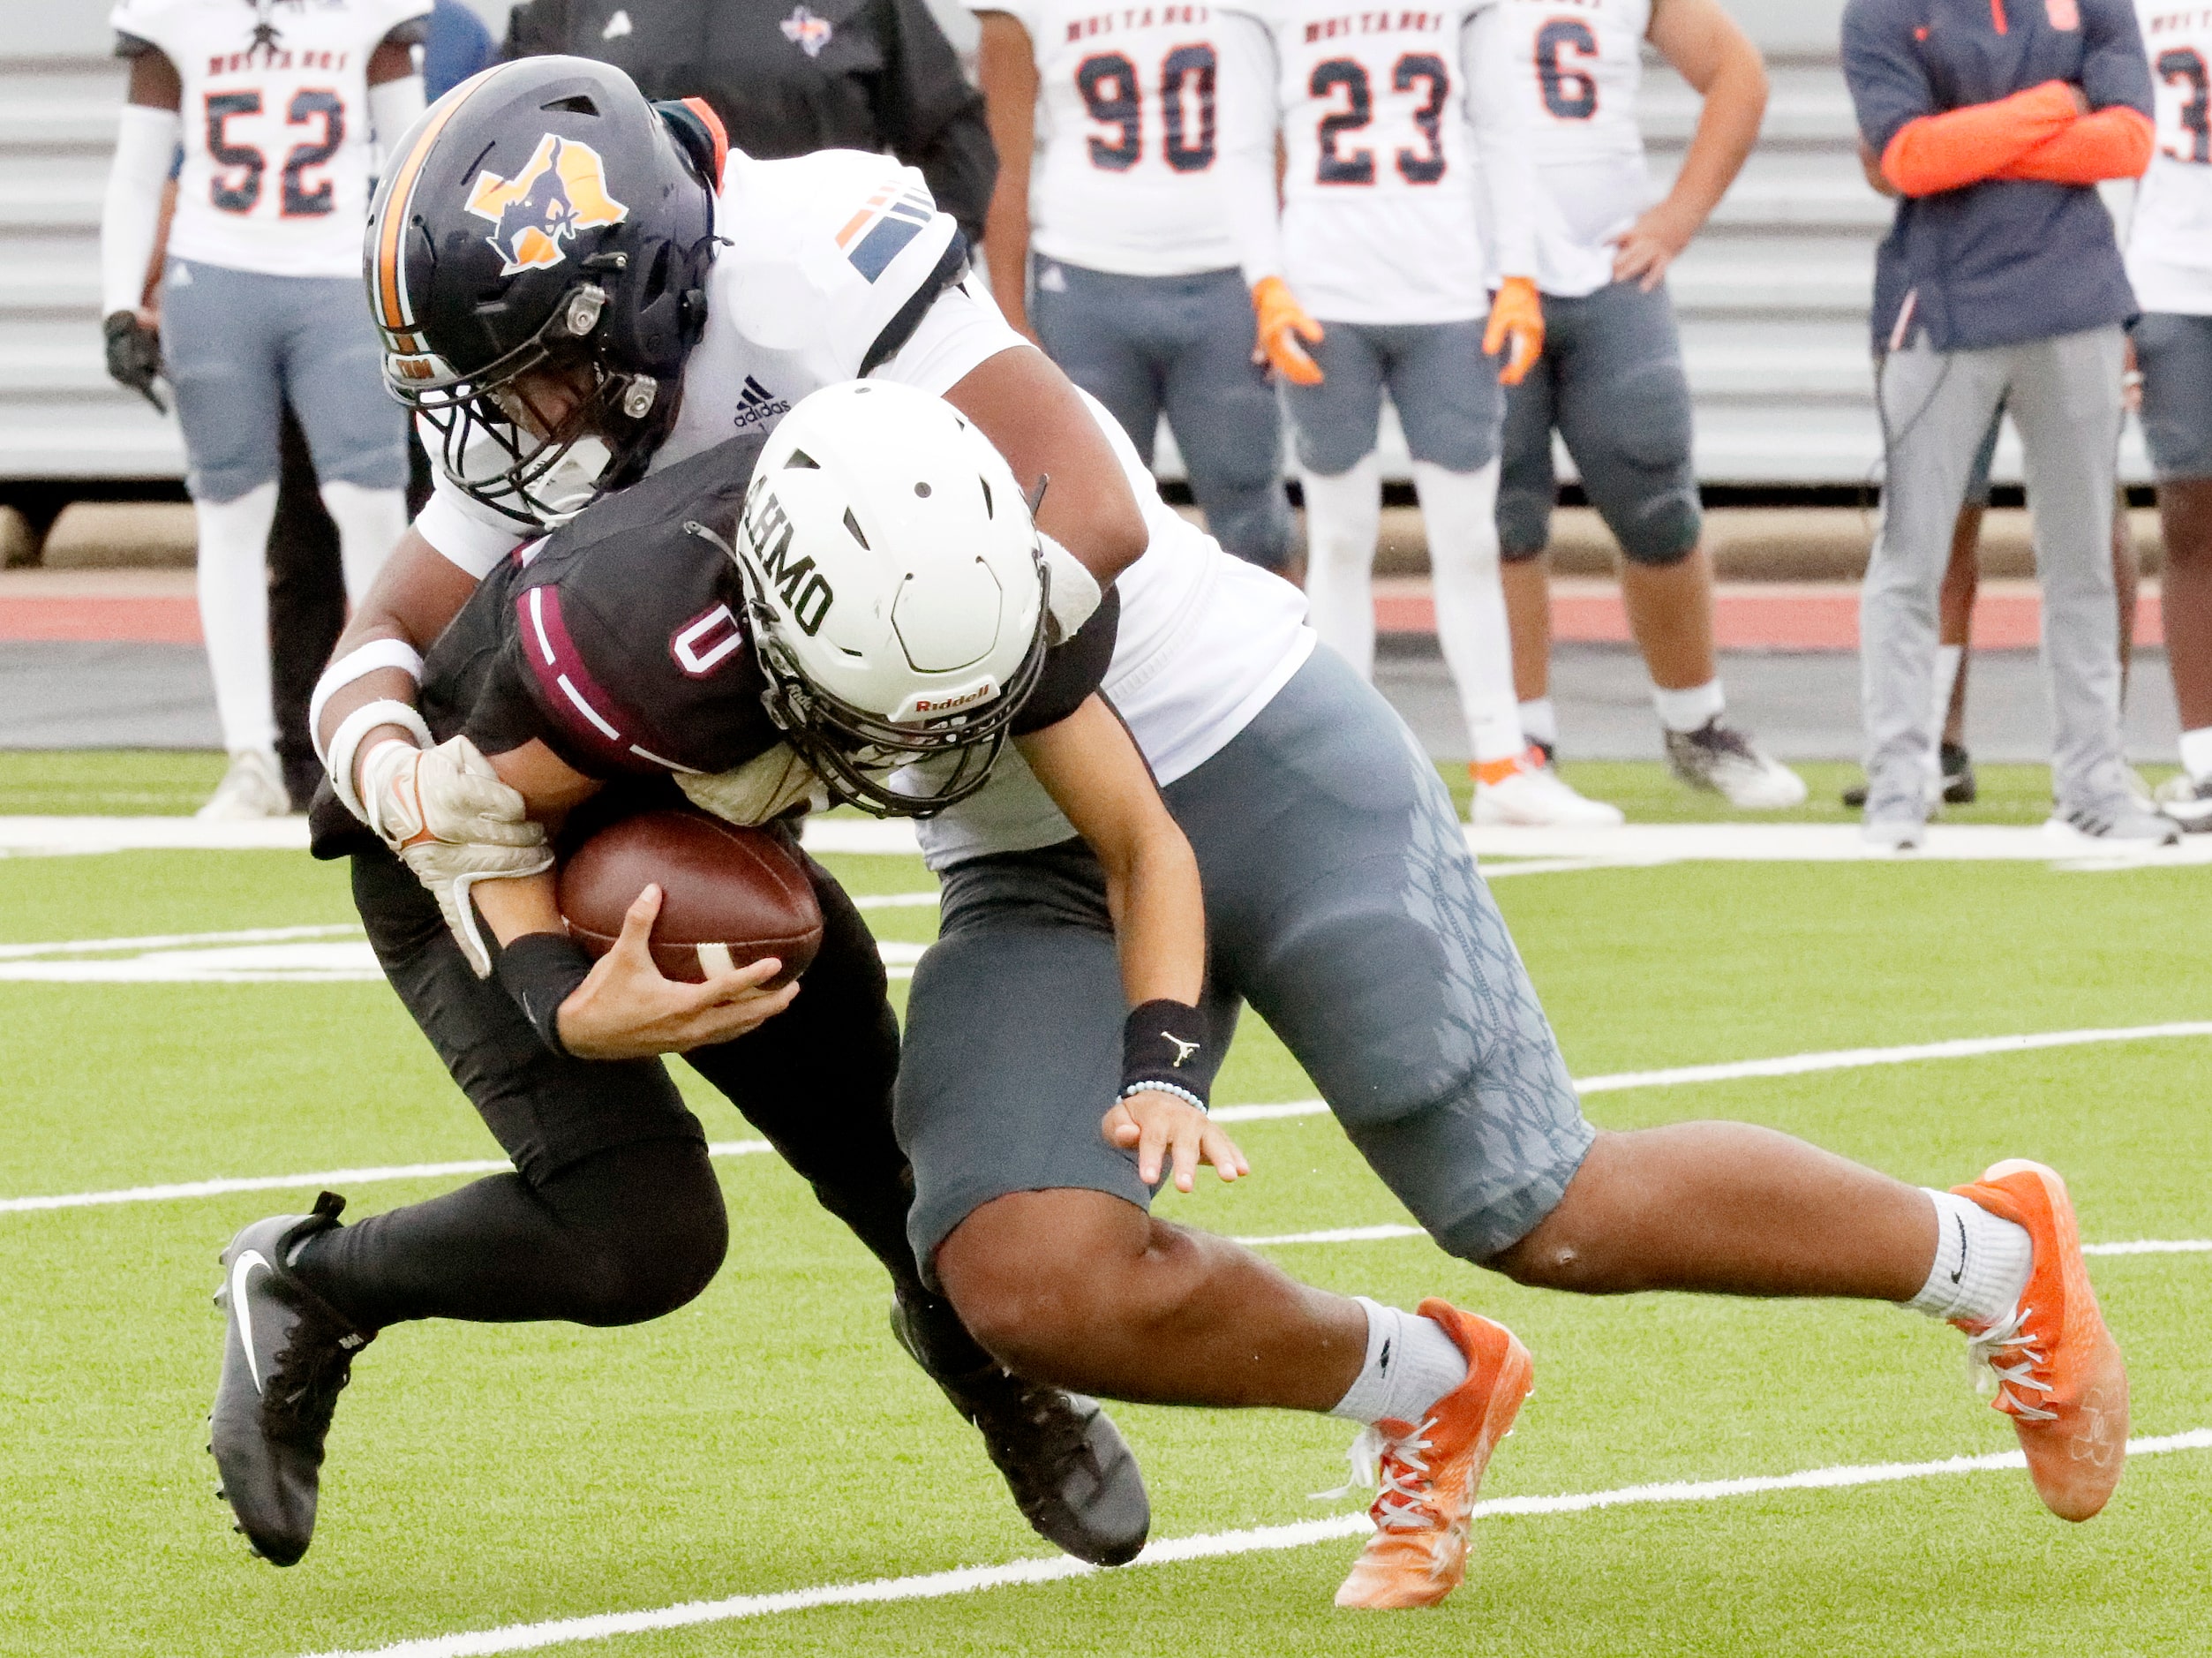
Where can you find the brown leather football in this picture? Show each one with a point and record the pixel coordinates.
(727, 894)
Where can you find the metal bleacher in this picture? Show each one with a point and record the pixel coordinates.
(1773, 296)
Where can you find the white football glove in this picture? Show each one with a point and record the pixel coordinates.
(764, 787)
(446, 813)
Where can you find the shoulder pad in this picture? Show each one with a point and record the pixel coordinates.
(827, 247)
(628, 622)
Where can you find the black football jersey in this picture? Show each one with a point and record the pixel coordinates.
(620, 640)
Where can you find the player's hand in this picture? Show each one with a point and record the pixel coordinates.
(1168, 1133)
(628, 1009)
(1642, 252)
(2131, 379)
(134, 354)
(1516, 327)
(445, 811)
(1283, 323)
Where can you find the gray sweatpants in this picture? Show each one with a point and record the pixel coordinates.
(1341, 904)
(2063, 395)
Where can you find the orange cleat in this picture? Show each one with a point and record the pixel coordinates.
(1429, 1474)
(2058, 1372)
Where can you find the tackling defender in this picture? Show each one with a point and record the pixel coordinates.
(1373, 945)
(1392, 123)
(259, 303)
(1610, 379)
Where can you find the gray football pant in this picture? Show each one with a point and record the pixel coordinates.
(2065, 398)
(1182, 346)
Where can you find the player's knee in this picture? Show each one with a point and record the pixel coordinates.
(1569, 1249)
(647, 1231)
(1037, 1287)
(1666, 532)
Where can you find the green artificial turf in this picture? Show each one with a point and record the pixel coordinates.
(769, 1436)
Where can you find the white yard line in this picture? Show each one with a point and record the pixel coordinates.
(1383, 1235)
(174, 940)
(1789, 1064)
(1207, 1546)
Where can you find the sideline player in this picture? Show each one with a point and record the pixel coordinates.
(1108, 133)
(261, 305)
(1610, 381)
(2169, 267)
(594, 217)
(1392, 124)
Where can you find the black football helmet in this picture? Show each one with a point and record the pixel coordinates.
(543, 216)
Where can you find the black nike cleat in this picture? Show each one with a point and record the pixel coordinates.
(1072, 1475)
(286, 1354)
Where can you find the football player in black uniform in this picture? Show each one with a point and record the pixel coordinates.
(576, 287)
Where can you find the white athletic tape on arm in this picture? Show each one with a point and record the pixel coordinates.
(345, 743)
(1075, 591)
(358, 663)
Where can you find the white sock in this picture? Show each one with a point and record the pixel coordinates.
(1539, 720)
(2196, 753)
(1460, 512)
(234, 613)
(1981, 1264)
(1412, 1363)
(1690, 710)
(1949, 659)
(370, 522)
(1344, 517)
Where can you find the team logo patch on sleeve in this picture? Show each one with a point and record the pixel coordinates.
(893, 217)
(807, 32)
(563, 190)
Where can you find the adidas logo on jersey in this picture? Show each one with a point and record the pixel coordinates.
(756, 405)
(617, 26)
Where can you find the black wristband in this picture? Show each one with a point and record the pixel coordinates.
(1165, 1042)
(541, 971)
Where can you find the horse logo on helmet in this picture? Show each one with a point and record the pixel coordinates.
(563, 190)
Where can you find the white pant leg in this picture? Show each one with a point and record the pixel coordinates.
(370, 523)
(1459, 510)
(234, 613)
(1343, 519)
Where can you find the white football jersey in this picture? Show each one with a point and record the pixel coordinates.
(1382, 217)
(1206, 641)
(277, 133)
(1127, 136)
(1581, 65)
(2170, 240)
(820, 254)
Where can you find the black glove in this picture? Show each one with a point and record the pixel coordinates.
(134, 355)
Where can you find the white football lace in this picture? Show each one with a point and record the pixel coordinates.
(1396, 1470)
(2004, 1356)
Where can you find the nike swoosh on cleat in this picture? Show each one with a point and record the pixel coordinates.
(244, 1307)
(1959, 1222)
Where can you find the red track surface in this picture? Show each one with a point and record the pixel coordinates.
(157, 608)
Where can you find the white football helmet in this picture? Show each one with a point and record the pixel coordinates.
(895, 593)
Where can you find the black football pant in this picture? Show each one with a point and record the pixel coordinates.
(613, 1213)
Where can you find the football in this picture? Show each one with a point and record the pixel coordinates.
(729, 895)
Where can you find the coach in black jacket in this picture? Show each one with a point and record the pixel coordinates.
(791, 76)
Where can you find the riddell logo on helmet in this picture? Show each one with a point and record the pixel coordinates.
(563, 190)
(982, 693)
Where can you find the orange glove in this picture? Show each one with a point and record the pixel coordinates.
(1282, 323)
(1517, 314)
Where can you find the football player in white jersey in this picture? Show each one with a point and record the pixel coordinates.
(1108, 134)
(276, 103)
(1611, 380)
(2169, 264)
(1401, 135)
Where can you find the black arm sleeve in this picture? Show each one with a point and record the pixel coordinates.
(930, 115)
(1072, 670)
